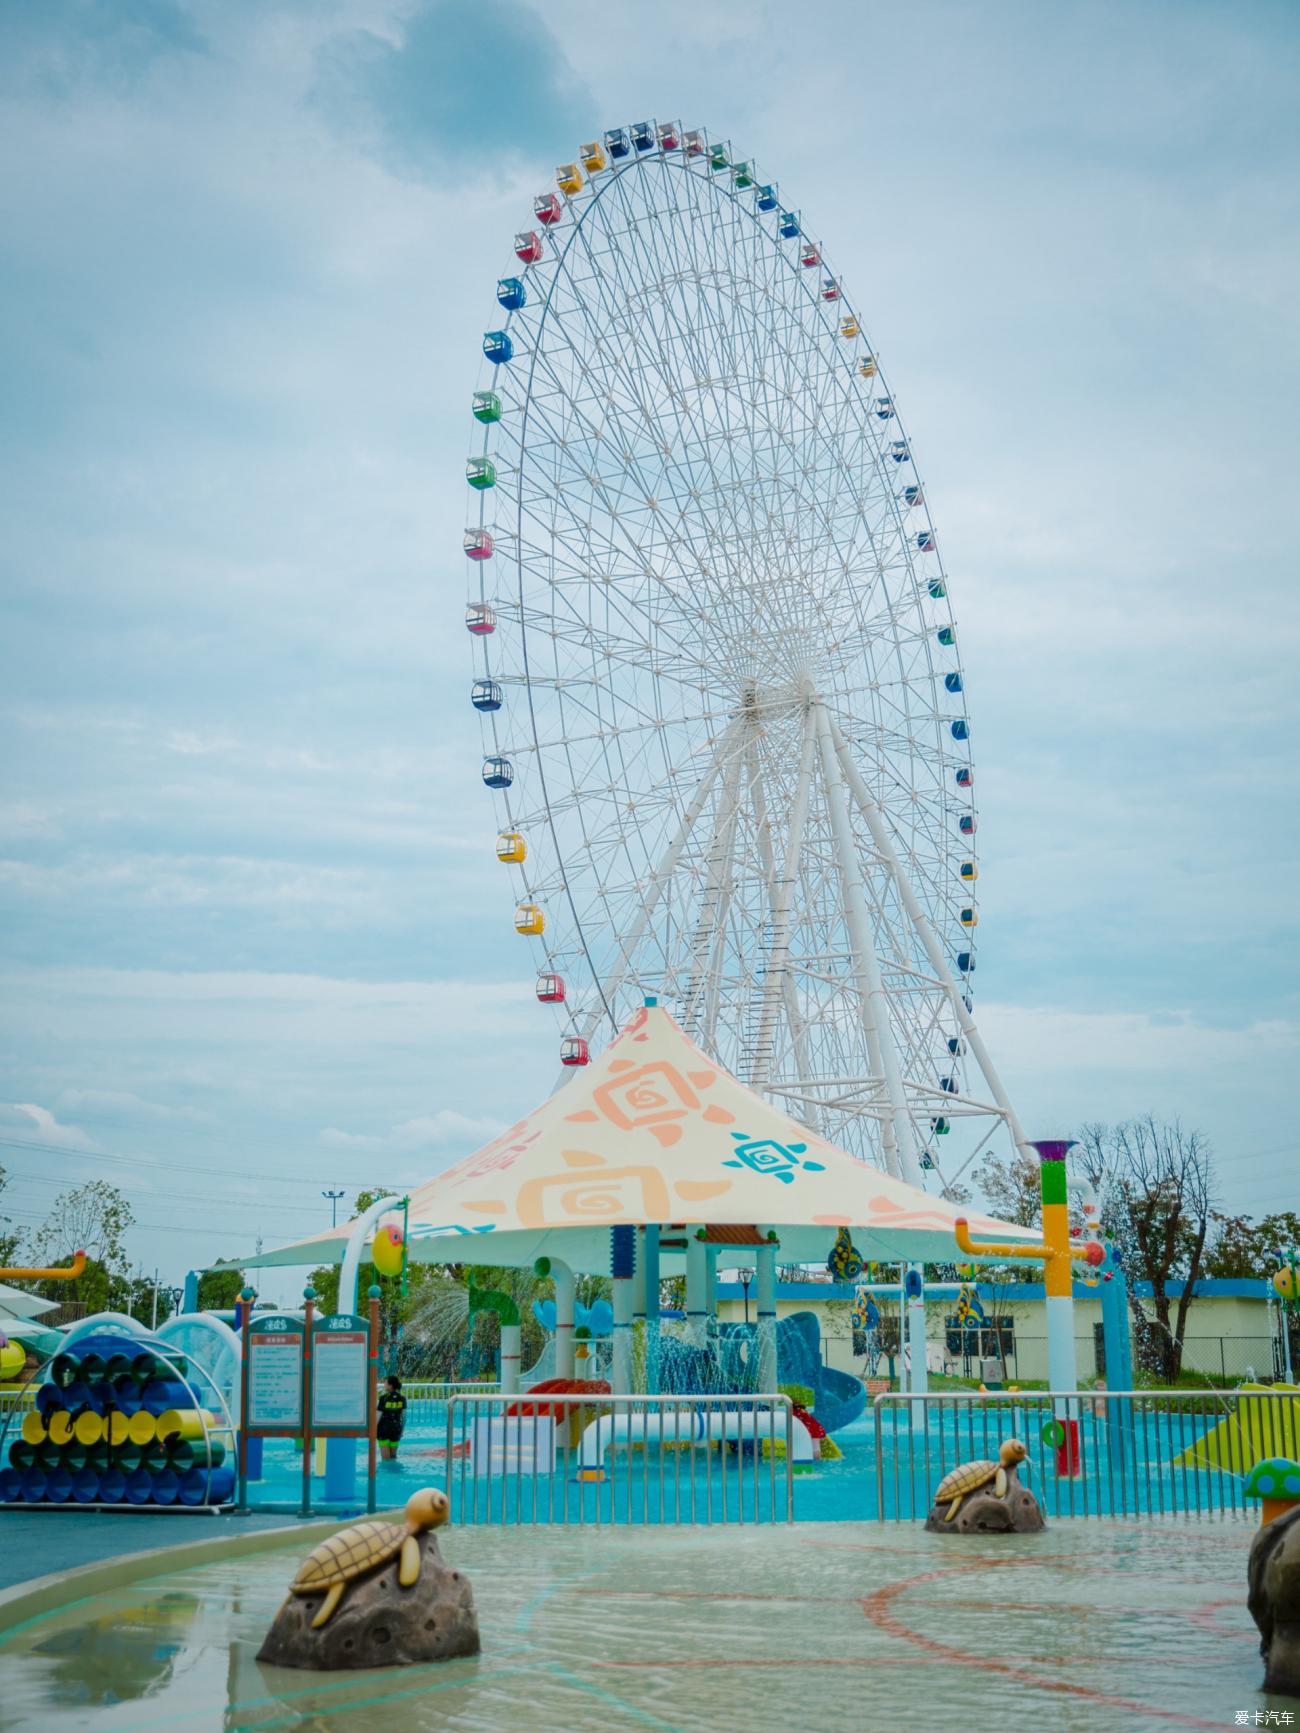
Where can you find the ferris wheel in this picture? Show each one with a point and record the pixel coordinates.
(724, 712)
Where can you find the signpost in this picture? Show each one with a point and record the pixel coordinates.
(308, 1377)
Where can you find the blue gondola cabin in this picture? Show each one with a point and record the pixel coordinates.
(966, 824)
(498, 772)
(485, 695)
(497, 347)
(616, 143)
(511, 294)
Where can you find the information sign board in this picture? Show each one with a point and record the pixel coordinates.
(274, 1372)
(340, 1378)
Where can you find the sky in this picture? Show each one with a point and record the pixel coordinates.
(249, 947)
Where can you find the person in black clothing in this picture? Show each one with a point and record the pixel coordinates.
(392, 1417)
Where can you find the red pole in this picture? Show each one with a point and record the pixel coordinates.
(309, 1295)
(373, 1427)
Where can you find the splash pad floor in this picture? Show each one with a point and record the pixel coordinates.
(824, 1626)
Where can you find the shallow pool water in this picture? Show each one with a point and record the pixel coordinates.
(822, 1627)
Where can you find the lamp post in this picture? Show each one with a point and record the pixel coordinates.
(334, 1197)
(745, 1277)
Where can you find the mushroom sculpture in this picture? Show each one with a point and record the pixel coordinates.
(1276, 1483)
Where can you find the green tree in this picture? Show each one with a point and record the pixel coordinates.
(10, 1238)
(1155, 1181)
(95, 1218)
(1243, 1249)
(219, 1289)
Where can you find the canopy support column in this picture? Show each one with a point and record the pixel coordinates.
(652, 1309)
(697, 1282)
(765, 1262)
(898, 1134)
(562, 1276)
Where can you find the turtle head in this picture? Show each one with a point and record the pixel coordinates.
(427, 1508)
(1013, 1451)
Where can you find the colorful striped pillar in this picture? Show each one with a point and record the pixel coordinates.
(1058, 1279)
(622, 1265)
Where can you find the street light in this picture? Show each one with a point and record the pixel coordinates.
(745, 1277)
(334, 1197)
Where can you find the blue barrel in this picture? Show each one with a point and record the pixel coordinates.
(79, 1395)
(126, 1394)
(200, 1487)
(85, 1486)
(139, 1487)
(11, 1486)
(49, 1398)
(91, 1369)
(33, 1486)
(58, 1486)
(160, 1394)
(166, 1487)
(112, 1486)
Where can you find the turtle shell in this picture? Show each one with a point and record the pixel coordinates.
(965, 1478)
(345, 1555)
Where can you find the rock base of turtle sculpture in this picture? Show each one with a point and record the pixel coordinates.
(983, 1512)
(379, 1623)
(1273, 1576)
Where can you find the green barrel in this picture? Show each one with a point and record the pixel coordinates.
(91, 1369)
(22, 1455)
(126, 1458)
(64, 1369)
(73, 1457)
(117, 1366)
(185, 1454)
(153, 1458)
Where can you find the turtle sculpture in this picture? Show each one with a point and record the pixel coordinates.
(357, 1551)
(971, 1476)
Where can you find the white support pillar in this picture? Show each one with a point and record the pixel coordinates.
(775, 978)
(884, 847)
(782, 978)
(920, 1381)
(659, 879)
(697, 1282)
(562, 1276)
(706, 962)
(898, 1134)
(621, 1361)
(765, 1263)
(359, 1236)
(510, 1337)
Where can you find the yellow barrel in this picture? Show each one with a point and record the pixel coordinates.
(119, 1428)
(33, 1428)
(60, 1427)
(181, 1423)
(142, 1428)
(88, 1427)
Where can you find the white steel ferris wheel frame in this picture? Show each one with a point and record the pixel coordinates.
(739, 764)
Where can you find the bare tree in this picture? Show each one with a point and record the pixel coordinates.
(1156, 1185)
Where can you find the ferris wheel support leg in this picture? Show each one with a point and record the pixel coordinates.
(898, 1135)
(710, 933)
(776, 981)
(930, 941)
(658, 881)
